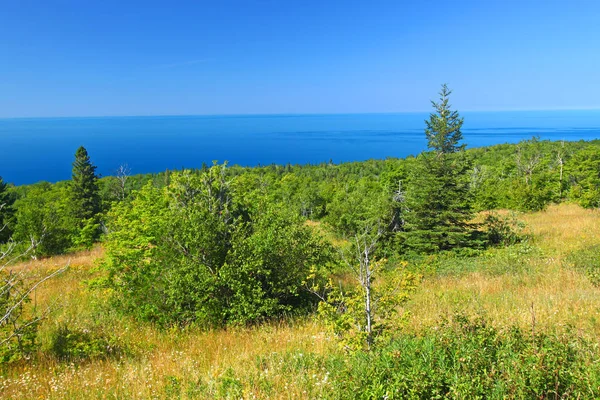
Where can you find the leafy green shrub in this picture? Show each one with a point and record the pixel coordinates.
(532, 196)
(44, 217)
(461, 358)
(7, 198)
(229, 387)
(195, 252)
(516, 259)
(68, 343)
(585, 180)
(87, 235)
(467, 358)
(357, 205)
(343, 311)
(503, 230)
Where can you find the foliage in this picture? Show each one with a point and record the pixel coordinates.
(493, 261)
(193, 253)
(525, 176)
(468, 358)
(354, 206)
(532, 195)
(301, 194)
(343, 310)
(294, 358)
(6, 211)
(584, 171)
(87, 235)
(76, 344)
(267, 264)
(503, 230)
(438, 197)
(44, 217)
(443, 127)
(85, 197)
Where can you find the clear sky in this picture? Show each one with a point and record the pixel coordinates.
(125, 57)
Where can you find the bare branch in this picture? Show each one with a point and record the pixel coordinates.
(122, 174)
(15, 293)
(25, 296)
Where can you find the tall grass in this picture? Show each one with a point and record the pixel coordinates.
(503, 284)
(509, 288)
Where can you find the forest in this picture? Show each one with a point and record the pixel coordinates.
(455, 273)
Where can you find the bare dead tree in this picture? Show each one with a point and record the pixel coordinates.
(122, 174)
(527, 162)
(364, 246)
(560, 161)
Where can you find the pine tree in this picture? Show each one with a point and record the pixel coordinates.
(443, 127)
(438, 197)
(84, 187)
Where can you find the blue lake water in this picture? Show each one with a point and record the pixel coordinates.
(34, 149)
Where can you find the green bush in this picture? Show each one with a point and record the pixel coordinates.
(197, 253)
(585, 180)
(88, 234)
(533, 196)
(69, 344)
(516, 259)
(503, 230)
(467, 358)
(44, 217)
(460, 358)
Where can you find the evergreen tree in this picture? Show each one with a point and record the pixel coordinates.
(84, 188)
(438, 196)
(443, 127)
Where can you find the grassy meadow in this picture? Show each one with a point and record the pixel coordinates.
(543, 285)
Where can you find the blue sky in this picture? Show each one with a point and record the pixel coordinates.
(88, 58)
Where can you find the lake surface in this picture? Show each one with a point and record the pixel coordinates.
(34, 149)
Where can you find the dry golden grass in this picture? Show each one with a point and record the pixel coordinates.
(559, 296)
(564, 228)
(81, 260)
(195, 360)
(321, 229)
(191, 358)
(58, 290)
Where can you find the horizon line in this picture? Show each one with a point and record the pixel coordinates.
(297, 113)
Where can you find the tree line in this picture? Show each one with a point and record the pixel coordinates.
(527, 176)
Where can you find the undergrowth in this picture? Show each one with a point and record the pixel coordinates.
(586, 260)
(459, 358)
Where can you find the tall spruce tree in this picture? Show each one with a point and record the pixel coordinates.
(438, 196)
(84, 188)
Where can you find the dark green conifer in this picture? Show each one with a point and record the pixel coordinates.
(438, 197)
(84, 187)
